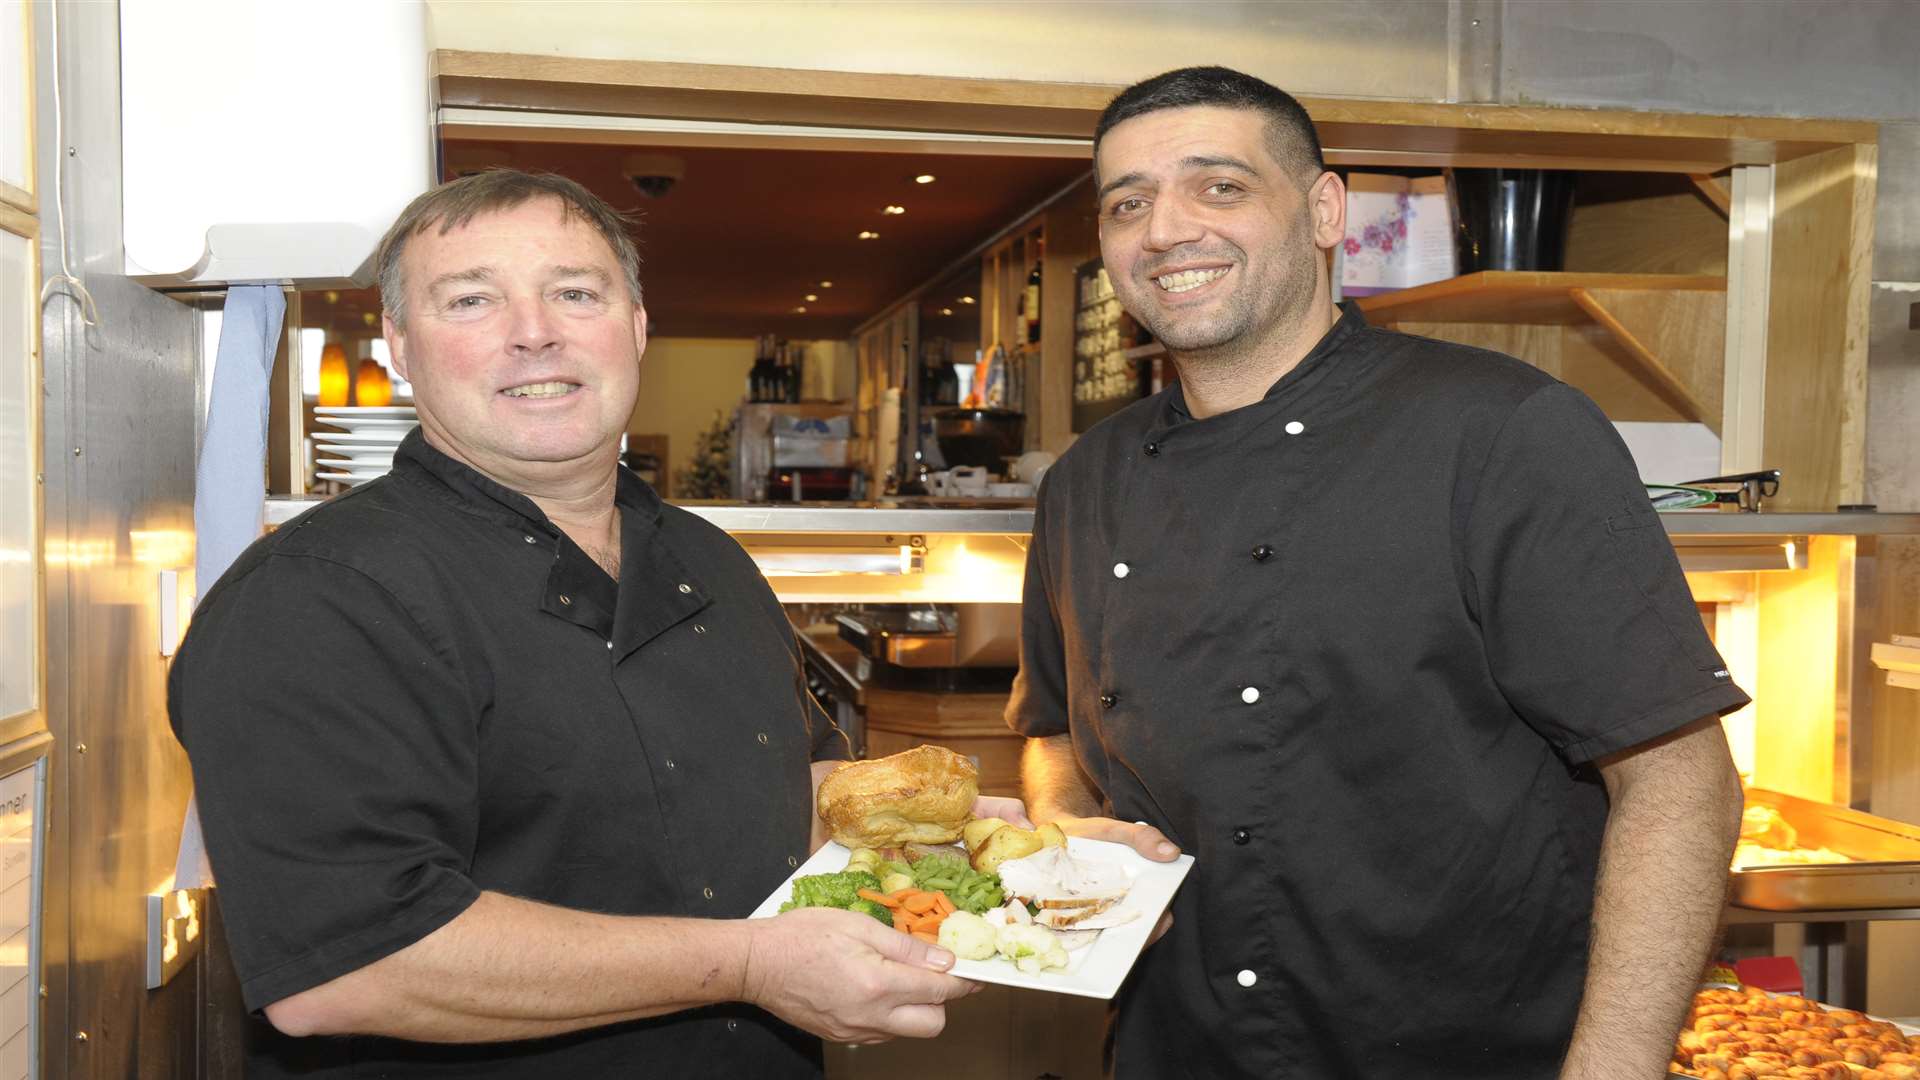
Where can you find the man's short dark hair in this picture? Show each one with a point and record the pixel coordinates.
(455, 203)
(1291, 138)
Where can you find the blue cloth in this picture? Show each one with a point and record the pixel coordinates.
(229, 498)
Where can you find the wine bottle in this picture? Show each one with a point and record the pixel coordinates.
(1032, 304)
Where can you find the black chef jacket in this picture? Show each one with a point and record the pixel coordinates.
(1353, 647)
(422, 690)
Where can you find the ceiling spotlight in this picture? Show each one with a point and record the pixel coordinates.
(966, 299)
(924, 178)
(868, 234)
(946, 311)
(801, 310)
(826, 284)
(811, 297)
(894, 210)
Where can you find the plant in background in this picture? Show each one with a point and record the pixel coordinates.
(710, 474)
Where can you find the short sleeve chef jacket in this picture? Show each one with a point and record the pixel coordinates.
(1353, 647)
(423, 690)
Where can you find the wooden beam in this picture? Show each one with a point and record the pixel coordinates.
(1714, 192)
(1355, 131)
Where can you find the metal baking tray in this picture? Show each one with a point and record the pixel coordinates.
(1885, 875)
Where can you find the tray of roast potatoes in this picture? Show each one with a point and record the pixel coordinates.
(1799, 855)
(1747, 1034)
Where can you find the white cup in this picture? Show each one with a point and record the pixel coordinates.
(939, 483)
(967, 480)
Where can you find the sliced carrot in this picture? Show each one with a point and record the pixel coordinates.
(932, 923)
(902, 921)
(931, 939)
(946, 904)
(878, 897)
(920, 903)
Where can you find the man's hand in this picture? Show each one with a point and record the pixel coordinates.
(846, 978)
(1140, 836)
(1011, 811)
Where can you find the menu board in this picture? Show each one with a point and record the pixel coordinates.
(1112, 355)
(20, 805)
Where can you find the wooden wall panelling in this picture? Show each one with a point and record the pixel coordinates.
(1661, 234)
(1537, 345)
(1072, 237)
(1678, 338)
(1894, 766)
(1816, 365)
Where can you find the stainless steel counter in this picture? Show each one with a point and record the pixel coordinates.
(984, 516)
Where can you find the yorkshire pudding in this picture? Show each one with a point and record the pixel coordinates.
(918, 796)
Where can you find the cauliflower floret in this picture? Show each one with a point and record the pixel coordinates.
(1032, 948)
(967, 936)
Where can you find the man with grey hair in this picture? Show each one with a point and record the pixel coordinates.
(494, 752)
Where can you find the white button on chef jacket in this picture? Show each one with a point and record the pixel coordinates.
(1295, 427)
(1246, 977)
(1121, 569)
(1250, 695)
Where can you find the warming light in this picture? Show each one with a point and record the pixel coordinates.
(333, 375)
(372, 387)
(923, 178)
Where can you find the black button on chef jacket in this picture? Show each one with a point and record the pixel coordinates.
(422, 690)
(1354, 647)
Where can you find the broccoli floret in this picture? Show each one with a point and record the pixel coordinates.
(831, 890)
(868, 907)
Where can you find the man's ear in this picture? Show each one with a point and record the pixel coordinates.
(1327, 207)
(639, 331)
(396, 345)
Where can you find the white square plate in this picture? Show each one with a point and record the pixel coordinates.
(1095, 971)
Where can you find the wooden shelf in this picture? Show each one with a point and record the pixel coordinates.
(1535, 298)
(1645, 346)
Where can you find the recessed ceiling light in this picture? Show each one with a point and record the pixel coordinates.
(924, 178)
(801, 310)
(946, 311)
(826, 284)
(966, 299)
(894, 210)
(868, 234)
(811, 297)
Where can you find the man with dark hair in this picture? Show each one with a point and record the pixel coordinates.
(493, 753)
(1384, 632)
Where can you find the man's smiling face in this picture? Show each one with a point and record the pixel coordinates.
(521, 339)
(1209, 240)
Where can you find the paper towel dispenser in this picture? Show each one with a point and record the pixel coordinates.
(269, 142)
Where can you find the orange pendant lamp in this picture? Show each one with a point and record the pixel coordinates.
(372, 387)
(334, 377)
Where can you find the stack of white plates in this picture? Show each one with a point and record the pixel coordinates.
(363, 447)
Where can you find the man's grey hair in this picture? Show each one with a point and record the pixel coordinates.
(457, 202)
